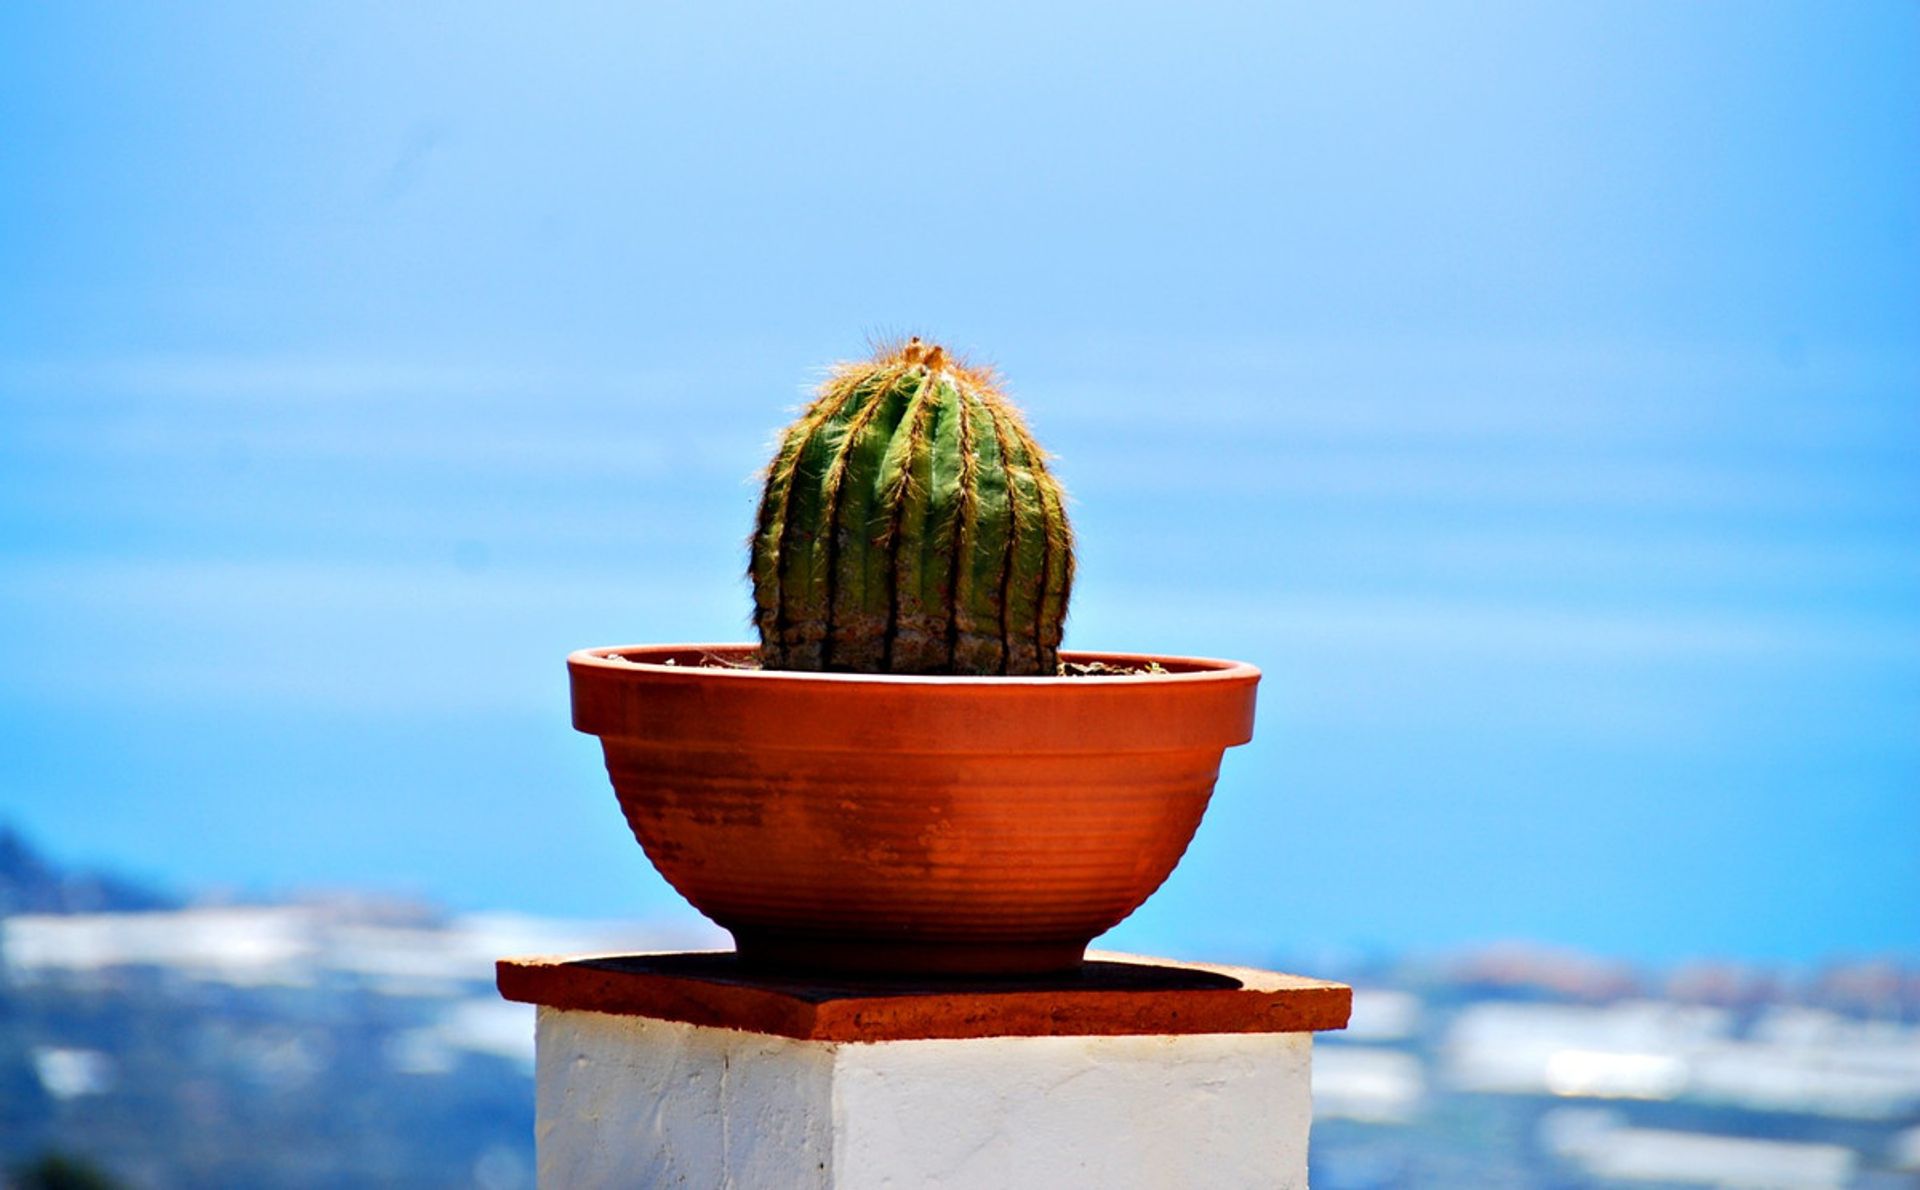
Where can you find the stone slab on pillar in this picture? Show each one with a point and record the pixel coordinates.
(683, 1070)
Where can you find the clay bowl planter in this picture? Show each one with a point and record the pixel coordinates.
(905, 825)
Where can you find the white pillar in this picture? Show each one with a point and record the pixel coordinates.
(627, 1098)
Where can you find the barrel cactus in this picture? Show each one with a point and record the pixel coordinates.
(909, 525)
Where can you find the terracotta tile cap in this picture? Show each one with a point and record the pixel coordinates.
(1112, 995)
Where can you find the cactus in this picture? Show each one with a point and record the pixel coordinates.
(909, 525)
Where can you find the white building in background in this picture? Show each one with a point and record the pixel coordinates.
(303, 944)
(1792, 1059)
(319, 945)
(1599, 1142)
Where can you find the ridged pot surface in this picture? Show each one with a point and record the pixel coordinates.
(910, 825)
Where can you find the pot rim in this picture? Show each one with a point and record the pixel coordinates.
(630, 692)
(670, 659)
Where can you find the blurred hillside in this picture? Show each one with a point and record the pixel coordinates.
(29, 884)
(357, 1041)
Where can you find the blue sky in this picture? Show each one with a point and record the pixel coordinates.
(1532, 391)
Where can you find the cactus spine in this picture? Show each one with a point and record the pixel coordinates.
(909, 525)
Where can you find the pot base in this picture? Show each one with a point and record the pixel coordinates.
(816, 954)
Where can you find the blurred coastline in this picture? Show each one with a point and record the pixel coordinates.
(351, 1038)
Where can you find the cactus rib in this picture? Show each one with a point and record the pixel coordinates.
(909, 524)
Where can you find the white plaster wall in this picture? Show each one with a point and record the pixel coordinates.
(1119, 1113)
(626, 1101)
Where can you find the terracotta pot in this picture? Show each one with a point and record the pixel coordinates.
(863, 823)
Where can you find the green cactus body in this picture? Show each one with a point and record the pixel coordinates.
(909, 525)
